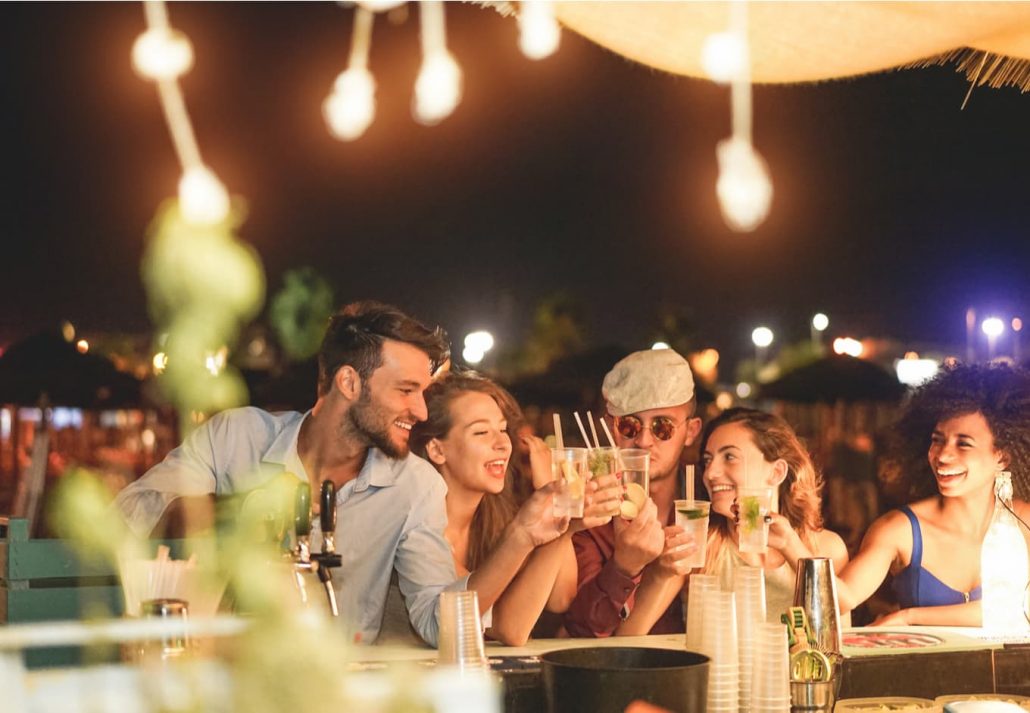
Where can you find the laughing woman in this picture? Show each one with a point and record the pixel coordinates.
(957, 432)
(766, 447)
(466, 438)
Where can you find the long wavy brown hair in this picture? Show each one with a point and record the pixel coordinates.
(800, 493)
(495, 511)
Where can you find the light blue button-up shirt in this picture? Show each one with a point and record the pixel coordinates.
(391, 516)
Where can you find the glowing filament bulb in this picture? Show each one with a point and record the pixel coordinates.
(162, 53)
(723, 56)
(744, 187)
(438, 87)
(539, 33)
(203, 199)
(351, 106)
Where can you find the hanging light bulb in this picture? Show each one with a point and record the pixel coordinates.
(438, 88)
(744, 187)
(539, 33)
(162, 53)
(203, 199)
(351, 106)
(723, 56)
(378, 5)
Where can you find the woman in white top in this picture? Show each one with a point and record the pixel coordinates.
(773, 456)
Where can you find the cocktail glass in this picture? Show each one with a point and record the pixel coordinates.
(753, 505)
(692, 516)
(635, 464)
(569, 468)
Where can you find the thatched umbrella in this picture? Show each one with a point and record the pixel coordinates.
(47, 365)
(835, 378)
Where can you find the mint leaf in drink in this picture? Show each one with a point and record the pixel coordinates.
(599, 463)
(750, 512)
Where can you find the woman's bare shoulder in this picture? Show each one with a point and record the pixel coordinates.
(830, 544)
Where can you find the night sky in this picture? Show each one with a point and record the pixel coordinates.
(893, 209)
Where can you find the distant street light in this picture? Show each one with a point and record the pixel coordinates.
(849, 346)
(660, 345)
(477, 344)
(819, 324)
(993, 328)
(762, 338)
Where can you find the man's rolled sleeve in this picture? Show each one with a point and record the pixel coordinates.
(424, 564)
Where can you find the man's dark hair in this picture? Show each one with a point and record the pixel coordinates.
(356, 334)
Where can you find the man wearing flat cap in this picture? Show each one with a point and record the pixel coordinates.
(650, 401)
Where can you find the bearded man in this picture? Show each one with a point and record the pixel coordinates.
(374, 363)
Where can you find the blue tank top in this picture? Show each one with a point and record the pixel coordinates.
(916, 586)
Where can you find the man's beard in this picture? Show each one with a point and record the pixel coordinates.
(373, 423)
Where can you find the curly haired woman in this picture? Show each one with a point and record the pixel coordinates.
(957, 432)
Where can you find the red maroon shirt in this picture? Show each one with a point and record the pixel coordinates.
(604, 595)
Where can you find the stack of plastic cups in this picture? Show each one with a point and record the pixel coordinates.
(749, 586)
(770, 686)
(719, 643)
(699, 584)
(461, 633)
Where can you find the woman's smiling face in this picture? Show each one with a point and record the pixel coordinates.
(477, 448)
(731, 448)
(962, 455)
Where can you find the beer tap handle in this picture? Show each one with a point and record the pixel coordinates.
(302, 520)
(327, 519)
(327, 516)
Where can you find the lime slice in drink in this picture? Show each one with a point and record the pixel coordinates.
(628, 510)
(636, 495)
(693, 513)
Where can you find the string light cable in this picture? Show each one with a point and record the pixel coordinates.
(162, 54)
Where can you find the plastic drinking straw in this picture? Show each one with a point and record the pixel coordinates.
(582, 431)
(608, 433)
(689, 476)
(558, 440)
(593, 431)
(611, 442)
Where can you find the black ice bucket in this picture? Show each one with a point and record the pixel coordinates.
(606, 680)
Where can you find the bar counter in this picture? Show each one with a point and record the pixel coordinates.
(925, 662)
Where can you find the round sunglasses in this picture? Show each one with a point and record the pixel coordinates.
(662, 427)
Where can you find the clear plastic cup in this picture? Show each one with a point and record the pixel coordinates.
(692, 516)
(569, 469)
(697, 585)
(635, 464)
(461, 631)
(753, 505)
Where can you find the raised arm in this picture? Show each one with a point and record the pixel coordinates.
(864, 574)
(519, 606)
(660, 583)
(533, 526)
(549, 577)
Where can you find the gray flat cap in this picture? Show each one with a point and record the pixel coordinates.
(655, 378)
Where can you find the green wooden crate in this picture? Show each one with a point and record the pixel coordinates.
(45, 580)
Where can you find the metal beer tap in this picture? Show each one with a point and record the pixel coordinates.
(327, 559)
(305, 564)
(302, 529)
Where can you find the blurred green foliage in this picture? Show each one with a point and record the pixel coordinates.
(299, 312)
(203, 284)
